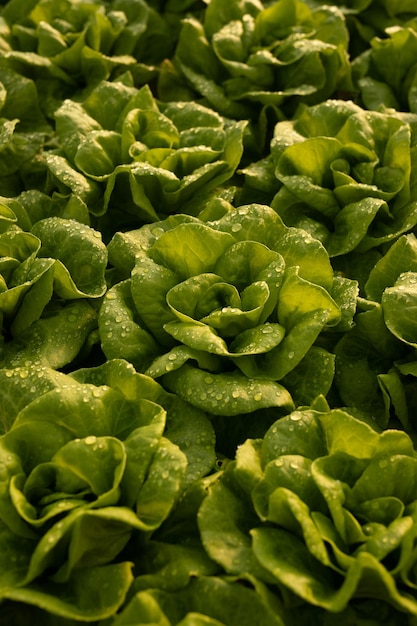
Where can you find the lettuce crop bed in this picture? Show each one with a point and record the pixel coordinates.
(208, 309)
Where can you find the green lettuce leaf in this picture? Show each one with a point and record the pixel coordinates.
(206, 601)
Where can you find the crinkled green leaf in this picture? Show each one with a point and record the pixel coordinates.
(74, 599)
(85, 270)
(150, 284)
(225, 519)
(121, 334)
(398, 304)
(312, 377)
(98, 154)
(190, 249)
(53, 340)
(229, 393)
(105, 412)
(73, 124)
(69, 180)
(252, 222)
(205, 601)
(164, 478)
(390, 71)
(21, 385)
(401, 257)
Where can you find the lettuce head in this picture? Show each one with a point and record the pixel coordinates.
(323, 506)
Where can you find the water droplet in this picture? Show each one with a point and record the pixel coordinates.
(257, 397)
(90, 440)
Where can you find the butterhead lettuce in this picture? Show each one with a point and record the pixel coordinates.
(344, 174)
(249, 55)
(140, 160)
(69, 46)
(224, 311)
(71, 501)
(323, 506)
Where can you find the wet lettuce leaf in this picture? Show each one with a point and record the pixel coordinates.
(24, 132)
(206, 601)
(385, 73)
